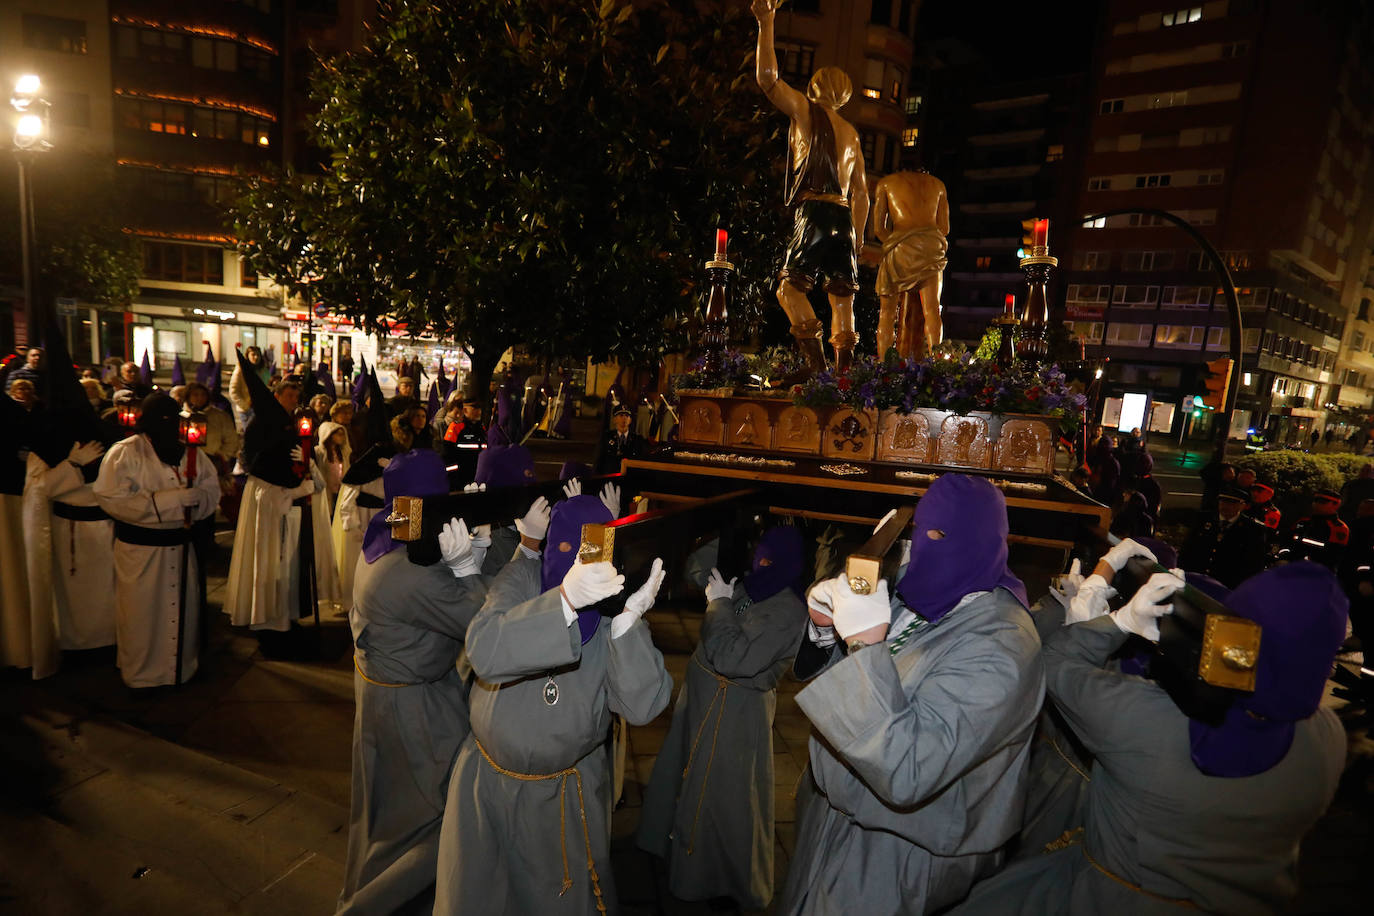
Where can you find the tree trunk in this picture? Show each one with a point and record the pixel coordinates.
(478, 385)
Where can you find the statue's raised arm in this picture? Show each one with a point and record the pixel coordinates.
(787, 100)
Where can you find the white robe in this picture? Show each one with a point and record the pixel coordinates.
(264, 573)
(346, 533)
(150, 604)
(71, 563)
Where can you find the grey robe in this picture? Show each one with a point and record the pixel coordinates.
(717, 830)
(918, 763)
(504, 839)
(1057, 781)
(408, 623)
(1152, 818)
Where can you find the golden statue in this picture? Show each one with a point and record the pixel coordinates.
(911, 219)
(829, 195)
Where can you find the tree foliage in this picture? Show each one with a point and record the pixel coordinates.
(533, 171)
(82, 249)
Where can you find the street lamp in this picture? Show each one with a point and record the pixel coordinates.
(30, 137)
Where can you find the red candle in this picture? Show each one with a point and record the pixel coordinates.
(1042, 233)
(722, 238)
(1009, 305)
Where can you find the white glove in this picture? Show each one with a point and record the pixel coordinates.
(84, 453)
(639, 602)
(821, 598)
(455, 549)
(853, 614)
(587, 583)
(883, 521)
(481, 542)
(572, 488)
(1141, 614)
(1119, 555)
(535, 524)
(474, 488)
(297, 455)
(1066, 586)
(610, 498)
(717, 587)
(1090, 601)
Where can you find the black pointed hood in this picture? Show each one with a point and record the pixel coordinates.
(376, 432)
(69, 417)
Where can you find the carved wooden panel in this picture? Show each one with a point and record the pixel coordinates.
(748, 427)
(850, 435)
(798, 430)
(903, 437)
(1025, 445)
(701, 422)
(963, 442)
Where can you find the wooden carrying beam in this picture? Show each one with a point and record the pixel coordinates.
(419, 518)
(632, 542)
(1205, 657)
(876, 559)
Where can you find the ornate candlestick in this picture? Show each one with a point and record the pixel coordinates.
(1033, 344)
(717, 324)
(1006, 333)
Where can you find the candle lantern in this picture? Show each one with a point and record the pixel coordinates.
(129, 414)
(1033, 338)
(717, 319)
(193, 430)
(305, 430)
(1006, 333)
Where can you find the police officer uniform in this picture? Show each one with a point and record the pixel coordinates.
(616, 446)
(1321, 536)
(1228, 551)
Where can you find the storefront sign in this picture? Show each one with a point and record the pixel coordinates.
(219, 314)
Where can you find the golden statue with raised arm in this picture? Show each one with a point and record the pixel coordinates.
(911, 219)
(829, 195)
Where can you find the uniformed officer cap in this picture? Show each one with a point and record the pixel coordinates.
(623, 412)
(1235, 492)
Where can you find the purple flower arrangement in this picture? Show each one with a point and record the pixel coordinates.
(945, 381)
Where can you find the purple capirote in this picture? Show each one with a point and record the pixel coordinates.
(505, 466)
(782, 548)
(1302, 613)
(560, 548)
(415, 473)
(970, 556)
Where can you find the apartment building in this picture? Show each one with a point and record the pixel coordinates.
(1253, 121)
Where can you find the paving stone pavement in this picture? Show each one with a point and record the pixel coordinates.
(230, 794)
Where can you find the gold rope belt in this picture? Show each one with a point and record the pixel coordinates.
(1067, 759)
(722, 685)
(1075, 837)
(562, 818)
(359, 669)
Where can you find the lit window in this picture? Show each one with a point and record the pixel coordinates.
(1111, 106)
(1098, 223)
(1183, 16)
(913, 104)
(984, 261)
(1055, 152)
(873, 93)
(909, 136)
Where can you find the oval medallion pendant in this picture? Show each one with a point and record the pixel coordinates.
(550, 692)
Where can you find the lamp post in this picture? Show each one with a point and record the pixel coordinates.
(1228, 288)
(30, 138)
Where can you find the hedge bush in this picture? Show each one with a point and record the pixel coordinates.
(1295, 476)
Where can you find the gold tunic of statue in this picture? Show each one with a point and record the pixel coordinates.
(911, 219)
(828, 193)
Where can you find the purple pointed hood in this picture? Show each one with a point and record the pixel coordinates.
(325, 377)
(360, 384)
(432, 402)
(560, 549)
(970, 556)
(777, 563)
(571, 469)
(415, 473)
(444, 382)
(505, 466)
(145, 370)
(178, 373)
(1302, 611)
(207, 370)
(1166, 555)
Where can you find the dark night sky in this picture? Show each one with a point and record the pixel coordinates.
(1018, 39)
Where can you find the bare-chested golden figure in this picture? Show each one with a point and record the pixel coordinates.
(911, 219)
(828, 192)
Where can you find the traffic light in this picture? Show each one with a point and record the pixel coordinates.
(1027, 237)
(1217, 380)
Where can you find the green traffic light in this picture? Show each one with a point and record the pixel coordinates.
(1196, 414)
(1020, 252)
